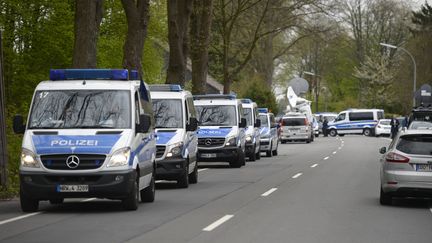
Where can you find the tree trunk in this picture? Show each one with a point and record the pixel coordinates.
(179, 12)
(88, 15)
(137, 15)
(201, 19)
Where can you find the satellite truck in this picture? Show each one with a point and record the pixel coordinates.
(298, 104)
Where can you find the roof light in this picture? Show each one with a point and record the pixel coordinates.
(263, 110)
(133, 75)
(88, 74)
(246, 101)
(166, 87)
(214, 97)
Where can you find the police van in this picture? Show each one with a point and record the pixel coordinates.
(176, 142)
(355, 121)
(250, 109)
(89, 133)
(268, 132)
(221, 133)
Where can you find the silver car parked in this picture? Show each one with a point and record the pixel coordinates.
(406, 167)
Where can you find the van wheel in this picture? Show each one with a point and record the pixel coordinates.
(237, 162)
(252, 157)
(132, 199)
(242, 158)
(275, 152)
(367, 132)
(258, 155)
(183, 181)
(56, 201)
(333, 132)
(193, 178)
(385, 198)
(148, 193)
(28, 204)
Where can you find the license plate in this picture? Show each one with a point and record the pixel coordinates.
(423, 167)
(208, 155)
(72, 188)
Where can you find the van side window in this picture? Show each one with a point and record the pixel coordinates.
(380, 115)
(138, 110)
(360, 116)
(341, 117)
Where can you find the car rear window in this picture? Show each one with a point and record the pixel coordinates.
(415, 144)
(293, 121)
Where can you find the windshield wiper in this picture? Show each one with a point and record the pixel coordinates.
(93, 126)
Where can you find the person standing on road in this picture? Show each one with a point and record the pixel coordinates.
(324, 127)
(394, 123)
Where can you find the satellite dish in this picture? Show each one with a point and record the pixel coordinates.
(299, 85)
(292, 97)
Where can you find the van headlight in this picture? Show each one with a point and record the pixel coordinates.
(175, 149)
(120, 158)
(28, 159)
(232, 141)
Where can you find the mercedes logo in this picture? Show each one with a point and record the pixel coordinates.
(208, 142)
(72, 161)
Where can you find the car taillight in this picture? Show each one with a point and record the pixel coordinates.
(396, 158)
(306, 121)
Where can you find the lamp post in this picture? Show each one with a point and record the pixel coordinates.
(316, 87)
(414, 66)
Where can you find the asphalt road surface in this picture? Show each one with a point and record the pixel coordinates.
(326, 191)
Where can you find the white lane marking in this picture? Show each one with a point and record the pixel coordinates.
(314, 165)
(218, 222)
(326, 158)
(265, 194)
(340, 148)
(18, 218)
(334, 152)
(199, 170)
(89, 199)
(297, 175)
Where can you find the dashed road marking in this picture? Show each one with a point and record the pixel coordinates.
(218, 222)
(297, 175)
(18, 218)
(265, 194)
(326, 158)
(334, 152)
(314, 165)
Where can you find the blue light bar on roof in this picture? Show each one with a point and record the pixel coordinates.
(166, 87)
(88, 74)
(246, 101)
(263, 110)
(214, 97)
(133, 75)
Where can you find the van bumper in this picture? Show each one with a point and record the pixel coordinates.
(170, 169)
(226, 154)
(44, 186)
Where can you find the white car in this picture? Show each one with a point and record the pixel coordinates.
(383, 127)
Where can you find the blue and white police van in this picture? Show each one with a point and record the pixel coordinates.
(89, 133)
(269, 134)
(221, 133)
(355, 121)
(253, 124)
(177, 141)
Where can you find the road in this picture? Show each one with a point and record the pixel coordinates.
(326, 191)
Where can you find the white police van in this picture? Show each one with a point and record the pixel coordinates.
(89, 133)
(253, 124)
(221, 133)
(176, 142)
(355, 121)
(269, 132)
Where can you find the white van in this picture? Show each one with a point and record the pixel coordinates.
(355, 121)
(176, 126)
(89, 133)
(221, 133)
(250, 109)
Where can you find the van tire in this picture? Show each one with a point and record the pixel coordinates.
(193, 177)
(132, 200)
(367, 132)
(252, 156)
(148, 193)
(242, 158)
(258, 155)
(333, 132)
(183, 180)
(28, 204)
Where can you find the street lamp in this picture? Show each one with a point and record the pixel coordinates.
(414, 65)
(316, 87)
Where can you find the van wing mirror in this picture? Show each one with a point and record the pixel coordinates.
(242, 123)
(383, 150)
(257, 123)
(144, 125)
(193, 124)
(18, 124)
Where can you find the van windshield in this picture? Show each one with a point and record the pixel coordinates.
(68, 109)
(264, 120)
(168, 113)
(216, 115)
(248, 116)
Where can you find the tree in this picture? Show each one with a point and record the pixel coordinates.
(201, 19)
(88, 16)
(137, 15)
(179, 12)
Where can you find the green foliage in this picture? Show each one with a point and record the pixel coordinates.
(256, 90)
